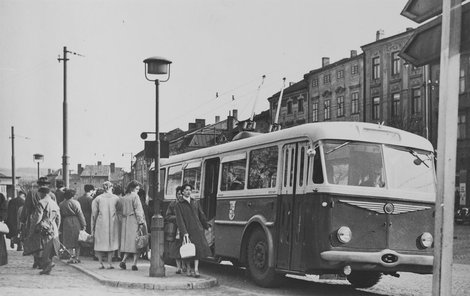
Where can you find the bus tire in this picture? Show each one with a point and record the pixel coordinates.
(364, 279)
(257, 260)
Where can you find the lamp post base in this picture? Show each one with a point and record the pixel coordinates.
(157, 264)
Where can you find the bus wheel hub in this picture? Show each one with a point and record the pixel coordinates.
(259, 255)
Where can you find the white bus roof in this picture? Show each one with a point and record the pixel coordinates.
(337, 130)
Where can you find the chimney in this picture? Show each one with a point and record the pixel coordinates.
(113, 167)
(353, 53)
(235, 113)
(200, 123)
(191, 126)
(325, 61)
(79, 169)
(379, 34)
(217, 118)
(99, 162)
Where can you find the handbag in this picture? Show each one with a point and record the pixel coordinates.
(85, 237)
(4, 228)
(141, 241)
(187, 249)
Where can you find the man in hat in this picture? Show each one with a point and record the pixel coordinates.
(31, 246)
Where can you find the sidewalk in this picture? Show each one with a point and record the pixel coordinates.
(140, 279)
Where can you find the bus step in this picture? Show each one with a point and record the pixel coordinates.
(332, 276)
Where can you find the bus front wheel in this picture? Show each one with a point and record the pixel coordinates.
(257, 260)
(364, 279)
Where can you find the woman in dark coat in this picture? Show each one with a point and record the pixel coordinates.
(12, 219)
(3, 217)
(72, 222)
(191, 223)
(174, 245)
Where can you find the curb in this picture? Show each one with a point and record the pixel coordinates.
(207, 282)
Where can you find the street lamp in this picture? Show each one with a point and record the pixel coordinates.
(38, 158)
(157, 66)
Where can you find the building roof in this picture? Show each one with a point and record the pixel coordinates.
(384, 40)
(96, 171)
(333, 65)
(301, 85)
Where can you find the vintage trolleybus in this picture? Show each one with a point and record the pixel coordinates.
(342, 197)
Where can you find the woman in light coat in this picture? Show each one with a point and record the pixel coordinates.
(132, 222)
(104, 224)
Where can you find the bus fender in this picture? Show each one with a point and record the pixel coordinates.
(257, 221)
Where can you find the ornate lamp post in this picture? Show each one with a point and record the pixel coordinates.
(157, 66)
(38, 158)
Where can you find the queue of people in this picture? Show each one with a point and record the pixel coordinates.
(43, 228)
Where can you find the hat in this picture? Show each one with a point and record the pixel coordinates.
(43, 181)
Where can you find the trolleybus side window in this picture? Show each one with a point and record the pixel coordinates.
(192, 176)
(233, 173)
(301, 166)
(317, 175)
(262, 171)
(174, 180)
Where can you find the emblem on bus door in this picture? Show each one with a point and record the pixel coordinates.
(231, 211)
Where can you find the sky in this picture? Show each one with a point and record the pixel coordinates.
(219, 47)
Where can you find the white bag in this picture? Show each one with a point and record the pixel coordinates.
(188, 249)
(4, 228)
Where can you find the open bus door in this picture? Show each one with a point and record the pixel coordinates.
(294, 178)
(209, 196)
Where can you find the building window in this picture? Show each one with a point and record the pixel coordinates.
(315, 82)
(355, 103)
(375, 108)
(340, 110)
(326, 79)
(300, 105)
(315, 112)
(395, 63)
(416, 101)
(340, 74)
(289, 107)
(462, 81)
(461, 131)
(327, 110)
(396, 105)
(376, 68)
(355, 69)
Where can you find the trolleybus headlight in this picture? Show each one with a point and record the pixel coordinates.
(426, 240)
(344, 234)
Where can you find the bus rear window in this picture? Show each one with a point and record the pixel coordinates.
(233, 175)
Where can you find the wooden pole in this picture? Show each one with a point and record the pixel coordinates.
(447, 146)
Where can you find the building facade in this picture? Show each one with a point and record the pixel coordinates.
(394, 91)
(336, 90)
(294, 105)
(463, 125)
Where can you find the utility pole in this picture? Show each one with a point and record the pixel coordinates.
(13, 175)
(65, 157)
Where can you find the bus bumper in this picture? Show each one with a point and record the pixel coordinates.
(386, 258)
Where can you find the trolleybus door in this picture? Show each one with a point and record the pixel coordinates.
(288, 219)
(211, 177)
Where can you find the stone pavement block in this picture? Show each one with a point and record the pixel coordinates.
(140, 279)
